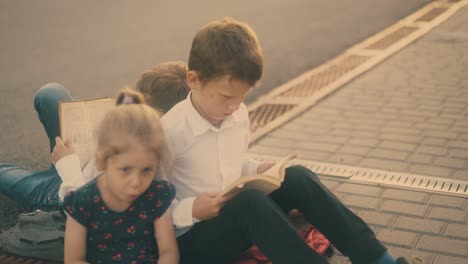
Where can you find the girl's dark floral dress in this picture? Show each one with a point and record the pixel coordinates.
(125, 237)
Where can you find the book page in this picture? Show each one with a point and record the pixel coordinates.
(266, 182)
(263, 183)
(277, 170)
(78, 122)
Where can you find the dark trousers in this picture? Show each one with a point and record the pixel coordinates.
(254, 218)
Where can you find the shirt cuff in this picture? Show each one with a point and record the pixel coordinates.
(249, 167)
(182, 213)
(90, 171)
(69, 170)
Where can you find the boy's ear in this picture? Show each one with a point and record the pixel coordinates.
(193, 81)
(100, 163)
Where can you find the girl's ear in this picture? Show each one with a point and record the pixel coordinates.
(193, 81)
(100, 162)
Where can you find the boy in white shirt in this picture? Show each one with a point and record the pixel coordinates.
(208, 136)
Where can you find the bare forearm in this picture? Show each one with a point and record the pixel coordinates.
(169, 258)
(76, 262)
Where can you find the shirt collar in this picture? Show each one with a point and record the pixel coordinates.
(199, 125)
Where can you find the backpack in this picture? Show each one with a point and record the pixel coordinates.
(38, 235)
(311, 236)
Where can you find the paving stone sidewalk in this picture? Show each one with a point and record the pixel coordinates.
(408, 114)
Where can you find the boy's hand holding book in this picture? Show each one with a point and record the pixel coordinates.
(264, 167)
(269, 177)
(208, 205)
(61, 150)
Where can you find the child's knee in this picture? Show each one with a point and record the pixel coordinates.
(51, 93)
(249, 196)
(50, 88)
(249, 201)
(299, 174)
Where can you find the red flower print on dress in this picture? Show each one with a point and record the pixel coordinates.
(149, 195)
(130, 245)
(85, 213)
(102, 247)
(143, 215)
(158, 186)
(146, 232)
(158, 203)
(69, 209)
(107, 236)
(132, 208)
(118, 221)
(131, 229)
(142, 254)
(96, 199)
(117, 256)
(94, 225)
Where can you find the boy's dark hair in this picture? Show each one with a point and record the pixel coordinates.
(164, 85)
(226, 47)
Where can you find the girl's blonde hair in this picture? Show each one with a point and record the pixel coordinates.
(131, 120)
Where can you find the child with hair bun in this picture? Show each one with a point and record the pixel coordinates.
(124, 214)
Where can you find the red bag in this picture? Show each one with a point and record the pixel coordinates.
(312, 237)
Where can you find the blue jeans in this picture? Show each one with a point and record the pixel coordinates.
(38, 189)
(46, 105)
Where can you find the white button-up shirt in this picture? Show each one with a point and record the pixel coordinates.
(206, 158)
(69, 170)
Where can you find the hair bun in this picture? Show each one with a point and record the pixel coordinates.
(130, 96)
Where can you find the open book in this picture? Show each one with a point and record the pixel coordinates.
(266, 182)
(78, 121)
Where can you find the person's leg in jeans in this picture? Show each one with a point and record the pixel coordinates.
(37, 189)
(249, 218)
(46, 105)
(302, 190)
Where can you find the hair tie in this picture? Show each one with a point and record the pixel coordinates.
(127, 100)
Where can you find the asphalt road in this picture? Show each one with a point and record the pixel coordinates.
(96, 47)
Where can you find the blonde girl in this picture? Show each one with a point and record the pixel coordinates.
(123, 216)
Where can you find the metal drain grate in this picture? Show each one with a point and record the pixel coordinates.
(333, 170)
(312, 86)
(407, 180)
(264, 114)
(325, 77)
(433, 13)
(392, 38)
(399, 179)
